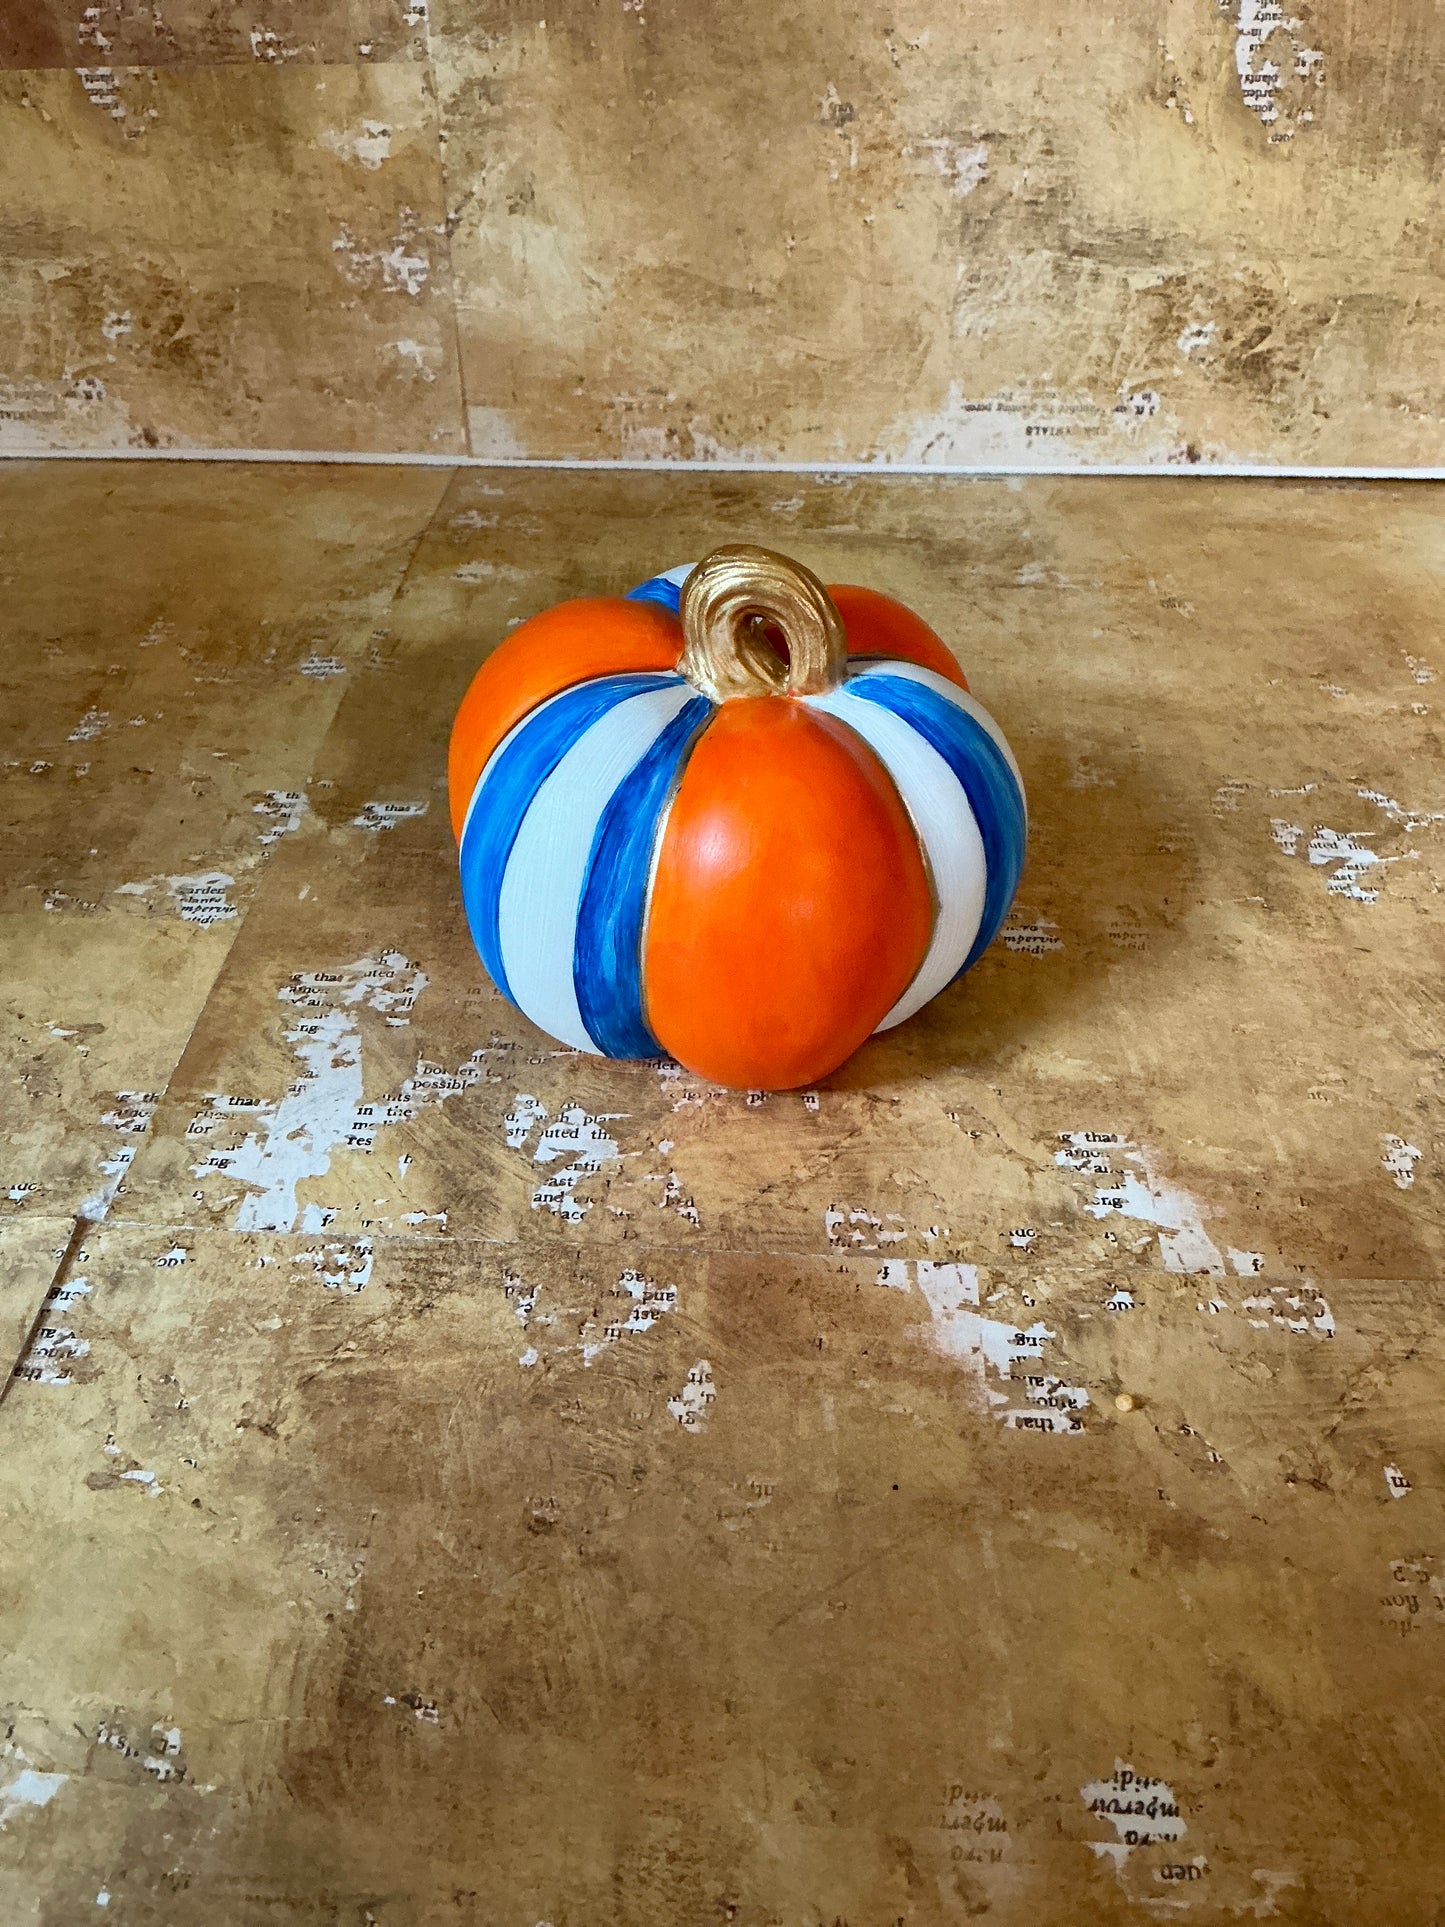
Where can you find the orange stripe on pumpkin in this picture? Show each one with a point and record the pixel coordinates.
(790, 907)
(879, 626)
(592, 636)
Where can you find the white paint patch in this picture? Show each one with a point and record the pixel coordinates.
(102, 90)
(424, 1710)
(28, 1790)
(633, 1305)
(673, 1197)
(1347, 860)
(282, 811)
(55, 1345)
(1196, 338)
(694, 1402)
(649, 1302)
(575, 1135)
(343, 1266)
(1012, 425)
(479, 570)
(200, 899)
(267, 44)
(319, 667)
(413, 354)
(1038, 938)
(1396, 1484)
(1409, 820)
(93, 723)
(91, 30)
(492, 433)
(1304, 1311)
(1141, 1810)
(688, 1092)
(990, 1349)
(1345, 855)
(323, 1110)
(370, 148)
(162, 1756)
(1136, 405)
(130, 1119)
(961, 165)
(1038, 575)
(1139, 1192)
(854, 1228)
(1420, 1598)
(1399, 1158)
(400, 267)
(386, 816)
(1269, 52)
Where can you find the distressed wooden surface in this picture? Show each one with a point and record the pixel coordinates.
(1177, 231)
(225, 256)
(452, 1480)
(163, 33)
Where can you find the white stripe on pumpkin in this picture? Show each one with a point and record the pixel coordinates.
(945, 826)
(547, 869)
(915, 672)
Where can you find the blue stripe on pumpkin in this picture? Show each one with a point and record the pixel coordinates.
(512, 777)
(665, 590)
(980, 766)
(607, 959)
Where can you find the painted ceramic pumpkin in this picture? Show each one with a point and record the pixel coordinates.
(735, 818)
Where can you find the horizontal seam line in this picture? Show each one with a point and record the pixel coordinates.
(321, 457)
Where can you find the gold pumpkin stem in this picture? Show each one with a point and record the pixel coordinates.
(726, 602)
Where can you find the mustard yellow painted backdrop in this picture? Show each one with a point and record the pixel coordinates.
(938, 231)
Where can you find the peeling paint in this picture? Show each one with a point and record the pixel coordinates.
(1399, 1158)
(1037, 938)
(200, 899)
(343, 1266)
(1140, 1193)
(854, 1226)
(401, 266)
(630, 1307)
(323, 1110)
(131, 1119)
(386, 816)
(1274, 65)
(990, 1349)
(693, 1404)
(574, 1134)
(319, 667)
(369, 148)
(1141, 1809)
(283, 812)
(27, 1790)
(55, 1347)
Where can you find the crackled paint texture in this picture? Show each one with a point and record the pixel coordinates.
(1169, 233)
(450, 1479)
